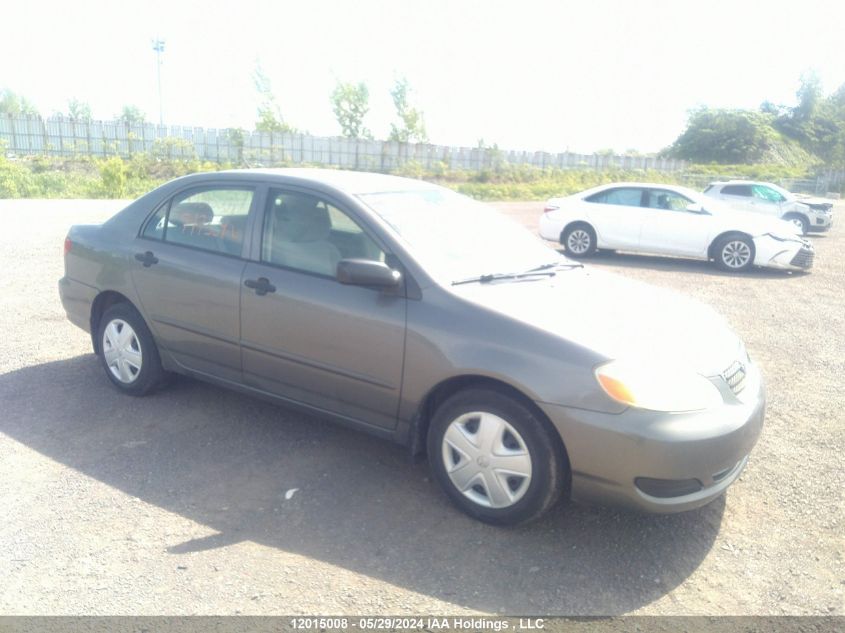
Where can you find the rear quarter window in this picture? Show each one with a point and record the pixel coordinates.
(737, 190)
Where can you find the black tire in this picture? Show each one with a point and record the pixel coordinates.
(587, 238)
(796, 218)
(550, 473)
(151, 374)
(725, 249)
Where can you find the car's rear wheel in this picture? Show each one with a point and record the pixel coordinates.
(579, 240)
(128, 351)
(799, 221)
(734, 253)
(494, 458)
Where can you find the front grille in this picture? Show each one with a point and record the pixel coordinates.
(803, 258)
(735, 376)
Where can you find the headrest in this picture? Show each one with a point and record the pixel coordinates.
(301, 219)
(192, 213)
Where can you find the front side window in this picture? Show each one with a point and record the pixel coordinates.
(766, 193)
(737, 190)
(211, 219)
(663, 199)
(624, 196)
(309, 234)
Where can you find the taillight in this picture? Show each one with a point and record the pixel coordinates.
(68, 245)
(550, 207)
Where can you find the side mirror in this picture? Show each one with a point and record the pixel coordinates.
(367, 272)
(696, 208)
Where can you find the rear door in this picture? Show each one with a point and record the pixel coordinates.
(188, 269)
(617, 216)
(669, 228)
(305, 336)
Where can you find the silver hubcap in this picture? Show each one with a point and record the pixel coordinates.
(122, 351)
(736, 254)
(486, 459)
(578, 242)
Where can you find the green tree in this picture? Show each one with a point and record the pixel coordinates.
(16, 105)
(725, 136)
(131, 115)
(350, 103)
(269, 113)
(79, 110)
(411, 125)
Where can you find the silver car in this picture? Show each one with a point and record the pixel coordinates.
(419, 315)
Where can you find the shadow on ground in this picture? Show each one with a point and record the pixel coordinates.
(226, 460)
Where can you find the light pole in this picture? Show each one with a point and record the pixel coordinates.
(158, 47)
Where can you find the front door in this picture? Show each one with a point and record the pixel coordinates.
(305, 336)
(669, 228)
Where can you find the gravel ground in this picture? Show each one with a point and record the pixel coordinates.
(181, 504)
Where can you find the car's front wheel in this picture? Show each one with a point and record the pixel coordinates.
(799, 221)
(495, 458)
(734, 253)
(128, 351)
(579, 240)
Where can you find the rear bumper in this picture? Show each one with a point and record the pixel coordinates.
(659, 462)
(77, 299)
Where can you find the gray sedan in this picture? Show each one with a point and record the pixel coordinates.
(406, 310)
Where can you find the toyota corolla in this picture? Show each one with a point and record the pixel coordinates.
(416, 314)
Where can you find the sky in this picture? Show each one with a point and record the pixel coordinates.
(529, 75)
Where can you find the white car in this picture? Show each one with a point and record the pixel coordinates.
(808, 214)
(669, 220)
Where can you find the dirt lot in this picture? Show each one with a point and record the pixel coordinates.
(177, 504)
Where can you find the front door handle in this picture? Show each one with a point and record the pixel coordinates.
(147, 259)
(261, 286)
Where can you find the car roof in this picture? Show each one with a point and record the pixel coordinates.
(648, 185)
(740, 182)
(351, 182)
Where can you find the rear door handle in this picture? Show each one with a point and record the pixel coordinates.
(261, 286)
(147, 259)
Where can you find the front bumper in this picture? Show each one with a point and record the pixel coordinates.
(820, 222)
(661, 462)
(772, 252)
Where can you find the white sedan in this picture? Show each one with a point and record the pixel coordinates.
(669, 220)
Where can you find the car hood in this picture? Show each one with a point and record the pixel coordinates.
(617, 318)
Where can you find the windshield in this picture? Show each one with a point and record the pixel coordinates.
(786, 194)
(455, 237)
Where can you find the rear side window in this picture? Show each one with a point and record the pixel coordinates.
(624, 196)
(737, 190)
(212, 219)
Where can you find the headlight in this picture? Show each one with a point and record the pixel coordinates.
(657, 388)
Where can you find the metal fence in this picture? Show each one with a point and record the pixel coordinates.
(59, 136)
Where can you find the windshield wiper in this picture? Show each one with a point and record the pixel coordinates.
(558, 266)
(546, 270)
(497, 276)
